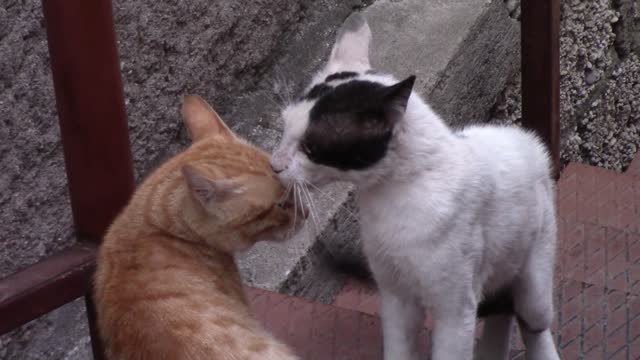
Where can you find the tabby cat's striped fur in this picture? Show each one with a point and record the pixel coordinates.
(167, 286)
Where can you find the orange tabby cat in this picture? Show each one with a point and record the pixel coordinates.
(167, 286)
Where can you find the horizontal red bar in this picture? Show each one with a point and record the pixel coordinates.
(46, 285)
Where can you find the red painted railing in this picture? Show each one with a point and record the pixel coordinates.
(541, 72)
(89, 98)
(93, 124)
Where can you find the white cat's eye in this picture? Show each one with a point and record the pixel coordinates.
(305, 148)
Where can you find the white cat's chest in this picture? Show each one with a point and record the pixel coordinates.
(397, 229)
(386, 219)
(402, 215)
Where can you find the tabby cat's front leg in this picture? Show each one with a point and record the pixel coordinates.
(454, 329)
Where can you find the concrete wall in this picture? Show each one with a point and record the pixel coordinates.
(600, 82)
(222, 50)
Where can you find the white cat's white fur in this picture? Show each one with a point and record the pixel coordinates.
(446, 217)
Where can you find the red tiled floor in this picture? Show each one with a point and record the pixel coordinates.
(634, 168)
(318, 331)
(592, 320)
(593, 195)
(324, 332)
(597, 284)
(598, 267)
(358, 296)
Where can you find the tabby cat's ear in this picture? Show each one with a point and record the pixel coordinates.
(201, 120)
(209, 192)
(351, 50)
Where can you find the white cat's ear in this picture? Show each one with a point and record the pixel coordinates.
(396, 97)
(209, 192)
(201, 120)
(351, 49)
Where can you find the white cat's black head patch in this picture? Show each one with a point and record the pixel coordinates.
(341, 76)
(320, 89)
(351, 124)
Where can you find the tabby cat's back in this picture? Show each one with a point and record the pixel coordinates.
(167, 286)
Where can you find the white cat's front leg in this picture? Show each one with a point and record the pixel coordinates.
(496, 338)
(539, 345)
(402, 318)
(454, 329)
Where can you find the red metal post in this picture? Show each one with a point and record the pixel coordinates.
(541, 72)
(89, 99)
(93, 123)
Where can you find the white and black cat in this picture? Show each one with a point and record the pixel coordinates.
(448, 219)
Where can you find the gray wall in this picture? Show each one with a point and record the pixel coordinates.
(600, 82)
(223, 50)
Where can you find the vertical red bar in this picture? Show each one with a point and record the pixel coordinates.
(89, 98)
(93, 123)
(541, 72)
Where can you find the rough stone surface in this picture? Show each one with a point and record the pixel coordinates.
(461, 51)
(627, 28)
(222, 50)
(598, 86)
(34, 211)
(63, 334)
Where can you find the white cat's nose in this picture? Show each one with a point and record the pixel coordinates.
(276, 168)
(279, 162)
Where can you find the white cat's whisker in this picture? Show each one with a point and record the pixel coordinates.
(305, 229)
(298, 198)
(286, 193)
(275, 103)
(295, 210)
(281, 88)
(313, 209)
(291, 231)
(354, 219)
(310, 206)
(287, 92)
(328, 196)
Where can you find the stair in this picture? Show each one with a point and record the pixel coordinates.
(597, 283)
(318, 331)
(634, 168)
